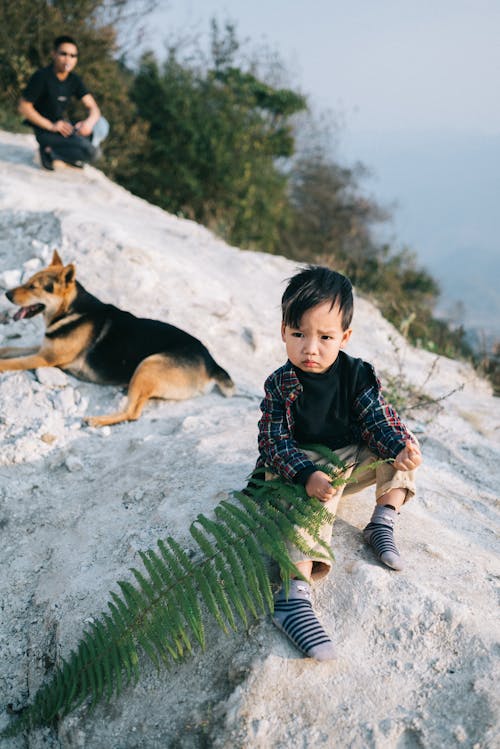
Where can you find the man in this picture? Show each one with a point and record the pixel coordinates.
(44, 103)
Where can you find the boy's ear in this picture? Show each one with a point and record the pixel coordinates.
(283, 326)
(345, 337)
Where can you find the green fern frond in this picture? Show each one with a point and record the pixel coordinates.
(336, 468)
(161, 612)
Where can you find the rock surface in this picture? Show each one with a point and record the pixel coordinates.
(419, 649)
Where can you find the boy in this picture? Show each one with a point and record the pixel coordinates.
(44, 103)
(323, 396)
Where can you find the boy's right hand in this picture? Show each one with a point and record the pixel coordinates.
(319, 485)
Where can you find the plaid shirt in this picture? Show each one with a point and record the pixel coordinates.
(375, 421)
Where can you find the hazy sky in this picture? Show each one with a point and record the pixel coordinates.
(414, 87)
(386, 65)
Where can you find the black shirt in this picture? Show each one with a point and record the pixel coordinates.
(323, 411)
(49, 95)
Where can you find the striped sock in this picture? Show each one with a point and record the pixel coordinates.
(379, 533)
(296, 618)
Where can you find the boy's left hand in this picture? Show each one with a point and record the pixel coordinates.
(409, 458)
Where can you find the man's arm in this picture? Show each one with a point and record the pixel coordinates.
(28, 112)
(85, 127)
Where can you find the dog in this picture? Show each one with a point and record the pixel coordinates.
(100, 343)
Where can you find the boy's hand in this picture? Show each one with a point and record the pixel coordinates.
(409, 458)
(319, 485)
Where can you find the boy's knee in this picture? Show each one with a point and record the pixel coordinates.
(406, 489)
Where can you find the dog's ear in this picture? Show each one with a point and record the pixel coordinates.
(68, 273)
(56, 260)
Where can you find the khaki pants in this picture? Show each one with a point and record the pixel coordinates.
(385, 478)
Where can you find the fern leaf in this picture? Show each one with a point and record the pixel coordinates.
(72, 681)
(215, 573)
(233, 578)
(146, 588)
(117, 667)
(256, 555)
(191, 609)
(187, 598)
(251, 590)
(209, 598)
(100, 632)
(152, 650)
(269, 537)
(253, 549)
(179, 567)
(162, 610)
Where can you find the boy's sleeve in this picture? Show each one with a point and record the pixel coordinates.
(381, 428)
(278, 449)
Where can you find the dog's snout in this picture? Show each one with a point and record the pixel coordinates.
(9, 295)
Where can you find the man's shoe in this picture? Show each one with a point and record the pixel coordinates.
(46, 159)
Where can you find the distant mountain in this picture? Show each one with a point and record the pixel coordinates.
(444, 194)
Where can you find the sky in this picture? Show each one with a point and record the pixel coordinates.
(390, 64)
(414, 88)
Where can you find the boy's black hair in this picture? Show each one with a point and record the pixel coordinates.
(313, 286)
(63, 39)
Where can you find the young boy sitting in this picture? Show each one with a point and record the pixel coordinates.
(323, 396)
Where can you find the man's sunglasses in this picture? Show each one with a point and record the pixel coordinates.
(67, 54)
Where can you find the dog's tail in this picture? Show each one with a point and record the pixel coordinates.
(222, 379)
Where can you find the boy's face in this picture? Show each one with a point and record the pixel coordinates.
(65, 58)
(315, 345)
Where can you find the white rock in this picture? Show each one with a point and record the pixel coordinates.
(52, 377)
(399, 634)
(65, 398)
(32, 265)
(10, 278)
(73, 463)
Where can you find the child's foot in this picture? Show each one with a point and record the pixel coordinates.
(296, 618)
(379, 533)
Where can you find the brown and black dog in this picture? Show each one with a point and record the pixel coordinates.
(100, 343)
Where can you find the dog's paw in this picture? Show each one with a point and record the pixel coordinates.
(107, 419)
(92, 421)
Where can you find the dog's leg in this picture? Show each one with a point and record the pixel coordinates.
(135, 403)
(9, 351)
(31, 361)
(156, 377)
(141, 389)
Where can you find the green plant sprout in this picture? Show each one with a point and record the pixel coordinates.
(407, 398)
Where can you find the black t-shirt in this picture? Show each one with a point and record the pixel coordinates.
(323, 411)
(49, 95)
